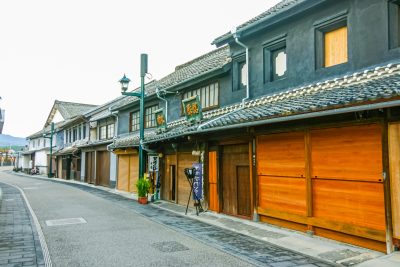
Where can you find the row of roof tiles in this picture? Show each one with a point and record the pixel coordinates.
(380, 84)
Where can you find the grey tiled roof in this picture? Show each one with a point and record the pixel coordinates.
(46, 130)
(101, 115)
(211, 61)
(131, 139)
(193, 69)
(361, 88)
(90, 143)
(276, 9)
(69, 109)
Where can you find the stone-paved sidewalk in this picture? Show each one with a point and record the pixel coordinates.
(19, 241)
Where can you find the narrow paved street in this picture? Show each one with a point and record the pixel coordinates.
(110, 230)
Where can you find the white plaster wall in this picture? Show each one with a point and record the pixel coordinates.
(113, 167)
(83, 166)
(41, 161)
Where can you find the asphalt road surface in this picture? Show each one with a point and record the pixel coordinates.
(112, 236)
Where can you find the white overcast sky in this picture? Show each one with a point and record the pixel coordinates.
(77, 50)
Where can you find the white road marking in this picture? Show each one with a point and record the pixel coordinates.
(66, 221)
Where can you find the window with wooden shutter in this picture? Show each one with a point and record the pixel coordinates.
(209, 95)
(150, 116)
(135, 121)
(335, 47)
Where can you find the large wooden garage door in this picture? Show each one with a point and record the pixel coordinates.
(185, 160)
(328, 181)
(347, 179)
(103, 168)
(127, 172)
(281, 173)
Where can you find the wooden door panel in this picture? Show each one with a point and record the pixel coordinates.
(167, 182)
(133, 172)
(352, 202)
(213, 182)
(282, 193)
(281, 154)
(185, 160)
(243, 197)
(232, 157)
(123, 172)
(348, 153)
(103, 167)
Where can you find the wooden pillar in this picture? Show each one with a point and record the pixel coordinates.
(176, 172)
(392, 181)
(308, 170)
(253, 177)
(206, 188)
(220, 178)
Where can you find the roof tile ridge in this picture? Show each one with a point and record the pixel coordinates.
(356, 77)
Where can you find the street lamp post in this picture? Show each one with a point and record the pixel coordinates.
(50, 174)
(124, 87)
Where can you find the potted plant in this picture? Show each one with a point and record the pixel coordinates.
(143, 187)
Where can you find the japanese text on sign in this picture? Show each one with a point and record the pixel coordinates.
(153, 163)
(198, 182)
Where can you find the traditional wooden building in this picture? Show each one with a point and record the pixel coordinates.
(312, 146)
(71, 130)
(99, 164)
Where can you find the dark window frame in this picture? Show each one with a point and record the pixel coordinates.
(394, 23)
(136, 126)
(325, 26)
(152, 116)
(207, 87)
(269, 49)
(239, 61)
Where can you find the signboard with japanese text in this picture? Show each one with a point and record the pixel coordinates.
(160, 119)
(192, 108)
(198, 181)
(153, 163)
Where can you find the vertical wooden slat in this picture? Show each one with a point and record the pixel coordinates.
(133, 172)
(386, 187)
(212, 179)
(251, 189)
(307, 151)
(394, 166)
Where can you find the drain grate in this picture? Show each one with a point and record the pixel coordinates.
(66, 221)
(170, 246)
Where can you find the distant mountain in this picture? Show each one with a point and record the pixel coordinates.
(8, 140)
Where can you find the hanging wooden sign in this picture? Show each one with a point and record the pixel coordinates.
(160, 119)
(192, 109)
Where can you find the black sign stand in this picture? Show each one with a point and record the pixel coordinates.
(190, 174)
